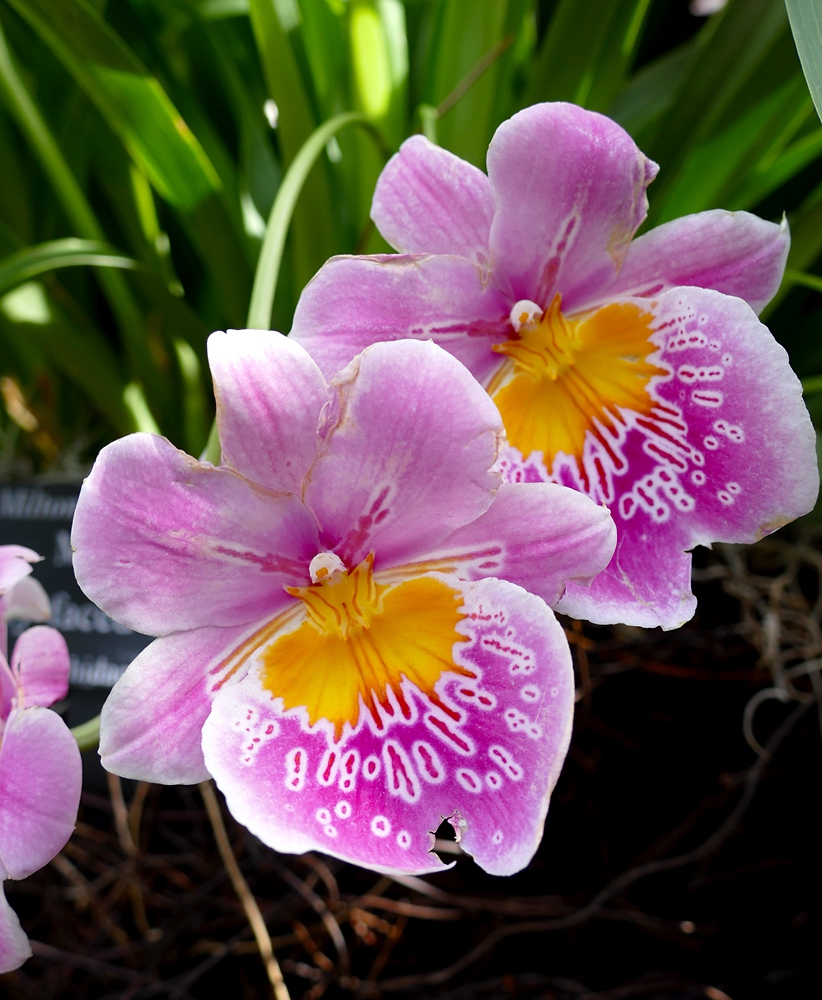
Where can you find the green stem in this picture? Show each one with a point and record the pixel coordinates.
(87, 734)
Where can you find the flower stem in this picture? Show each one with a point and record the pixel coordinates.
(87, 734)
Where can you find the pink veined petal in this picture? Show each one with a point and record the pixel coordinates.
(537, 535)
(406, 456)
(647, 583)
(26, 601)
(727, 454)
(429, 201)
(269, 396)
(15, 563)
(732, 252)
(164, 543)
(40, 778)
(151, 725)
(570, 187)
(353, 302)
(14, 945)
(488, 763)
(40, 663)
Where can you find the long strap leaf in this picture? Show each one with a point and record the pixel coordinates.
(806, 24)
(27, 264)
(271, 253)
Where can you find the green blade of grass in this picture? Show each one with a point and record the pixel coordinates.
(268, 266)
(28, 263)
(131, 100)
(806, 24)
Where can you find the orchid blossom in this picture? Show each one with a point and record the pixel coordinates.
(40, 770)
(354, 632)
(634, 372)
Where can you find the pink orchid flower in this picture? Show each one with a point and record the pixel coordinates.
(40, 769)
(355, 637)
(635, 372)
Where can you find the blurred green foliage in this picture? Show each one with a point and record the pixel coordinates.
(143, 143)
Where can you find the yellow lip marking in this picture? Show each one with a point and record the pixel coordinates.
(358, 640)
(560, 375)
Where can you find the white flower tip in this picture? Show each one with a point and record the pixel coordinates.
(325, 566)
(523, 313)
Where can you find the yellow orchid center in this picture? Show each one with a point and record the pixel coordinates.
(359, 640)
(564, 375)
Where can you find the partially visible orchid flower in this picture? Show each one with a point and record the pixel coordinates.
(635, 372)
(347, 639)
(40, 769)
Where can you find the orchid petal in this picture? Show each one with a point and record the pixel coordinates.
(40, 663)
(354, 302)
(264, 380)
(570, 187)
(428, 200)
(728, 453)
(40, 778)
(537, 535)
(14, 945)
(732, 252)
(152, 721)
(164, 543)
(406, 455)
(26, 601)
(15, 563)
(475, 755)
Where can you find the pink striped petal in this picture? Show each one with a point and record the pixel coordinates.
(40, 778)
(153, 719)
(486, 757)
(406, 454)
(570, 187)
(429, 201)
(163, 543)
(15, 563)
(727, 453)
(14, 945)
(353, 302)
(269, 396)
(537, 535)
(40, 663)
(732, 252)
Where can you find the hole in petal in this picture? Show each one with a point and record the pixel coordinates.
(445, 842)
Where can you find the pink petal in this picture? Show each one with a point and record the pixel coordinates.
(728, 453)
(484, 761)
(570, 187)
(353, 302)
(163, 543)
(40, 662)
(429, 201)
(407, 454)
(152, 721)
(26, 601)
(269, 397)
(14, 945)
(732, 252)
(536, 535)
(15, 563)
(40, 778)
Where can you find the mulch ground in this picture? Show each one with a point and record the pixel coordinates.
(681, 855)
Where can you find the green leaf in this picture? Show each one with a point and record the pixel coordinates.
(131, 100)
(268, 266)
(28, 263)
(806, 24)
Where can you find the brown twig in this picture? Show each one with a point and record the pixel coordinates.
(249, 903)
